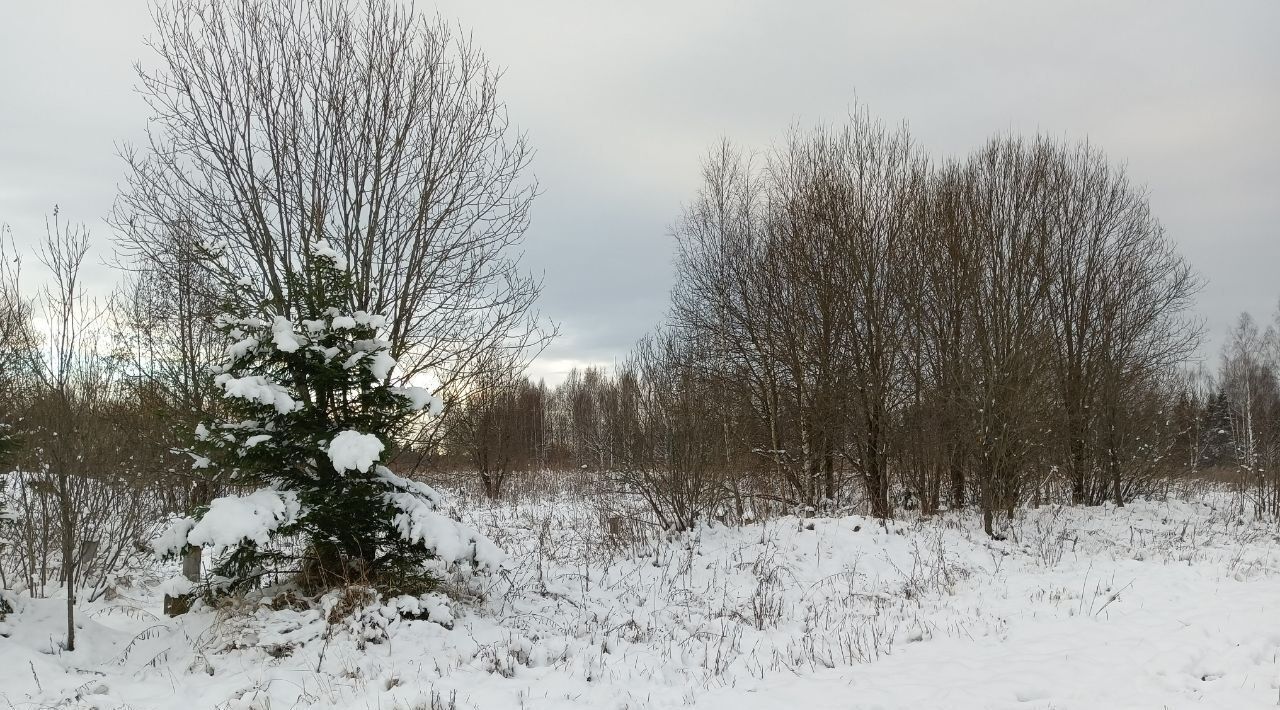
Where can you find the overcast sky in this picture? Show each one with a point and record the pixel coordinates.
(622, 100)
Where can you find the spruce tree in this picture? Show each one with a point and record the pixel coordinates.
(1218, 445)
(309, 422)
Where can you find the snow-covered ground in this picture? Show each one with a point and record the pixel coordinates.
(1154, 605)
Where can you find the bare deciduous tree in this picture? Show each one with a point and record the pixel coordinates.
(78, 497)
(497, 425)
(1115, 305)
(668, 425)
(280, 123)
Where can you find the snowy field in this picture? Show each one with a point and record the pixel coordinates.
(1154, 605)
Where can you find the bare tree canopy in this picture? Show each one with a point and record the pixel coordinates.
(281, 123)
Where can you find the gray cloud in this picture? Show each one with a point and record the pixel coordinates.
(622, 101)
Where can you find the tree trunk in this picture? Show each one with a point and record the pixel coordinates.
(192, 559)
(68, 556)
(957, 481)
(877, 483)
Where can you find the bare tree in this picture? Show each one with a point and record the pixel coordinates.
(940, 429)
(280, 123)
(79, 509)
(497, 425)
(163, 326)
(859, 192)
(796, 276)
(666, 427)
(1115, 305)
(1002, 221)
(18, 340)
(1250, 388)
(727, 291)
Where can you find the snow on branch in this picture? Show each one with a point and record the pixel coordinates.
(351, 450)
(232, 520)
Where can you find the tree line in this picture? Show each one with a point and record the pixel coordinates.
(857, 326)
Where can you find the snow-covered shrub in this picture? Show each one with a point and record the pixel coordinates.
(309, 420)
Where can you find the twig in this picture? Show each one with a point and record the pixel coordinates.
(33, 675)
